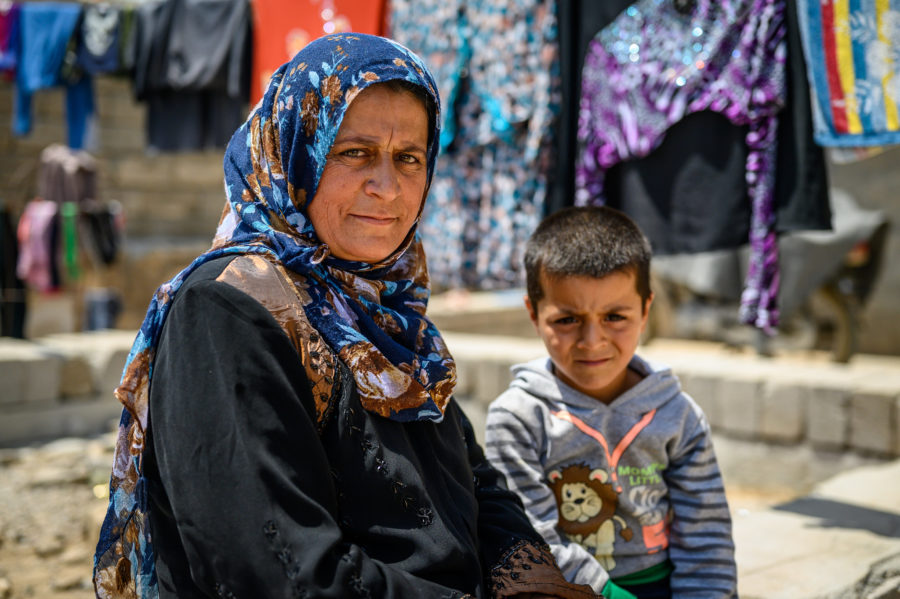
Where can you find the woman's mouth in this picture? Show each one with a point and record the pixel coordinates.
(371, 219)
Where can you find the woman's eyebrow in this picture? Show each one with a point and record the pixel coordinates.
(361, 138)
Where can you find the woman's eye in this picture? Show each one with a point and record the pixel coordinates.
(353, 153)
(408, 158)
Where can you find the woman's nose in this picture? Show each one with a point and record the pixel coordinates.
(384, 179)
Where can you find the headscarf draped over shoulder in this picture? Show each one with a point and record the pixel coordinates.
(371, 315)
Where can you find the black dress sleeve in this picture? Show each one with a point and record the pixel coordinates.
(501, 518)
(242, 498)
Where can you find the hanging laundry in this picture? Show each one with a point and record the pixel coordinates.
(661, 61)
(69, 243)
(103, 39)
(195, 84)
(852, 51)
(45, 29)
(282, 27)
(9, 38)
(703, 156)
(67, 175)
(67, 178)
(439, 32)
(101, 226)
(578, 21)
(38, 237)
(802, 198)
(12, 290)
(496, 65)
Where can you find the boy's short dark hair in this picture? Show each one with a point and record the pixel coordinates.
(591, 241)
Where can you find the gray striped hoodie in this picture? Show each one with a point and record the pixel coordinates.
(617, 488)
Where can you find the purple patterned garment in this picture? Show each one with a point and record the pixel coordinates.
(661, 60)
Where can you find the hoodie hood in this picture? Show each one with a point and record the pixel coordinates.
(658, 386)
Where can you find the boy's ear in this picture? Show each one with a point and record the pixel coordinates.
(646, 313)
(532, 311)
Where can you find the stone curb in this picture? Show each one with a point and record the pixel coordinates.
(60, 385)
(796, 399)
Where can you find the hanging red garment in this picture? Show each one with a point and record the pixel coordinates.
(282, 27)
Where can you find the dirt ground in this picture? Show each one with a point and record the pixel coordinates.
(50, 517)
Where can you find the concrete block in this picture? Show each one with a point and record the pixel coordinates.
(476, 411)
(33, 374)
(75, 372)
(12, 379)
(465, 377)
(705, 391)
(103, 352)
(55, 420)
(483, 362)
(112, 370)
(872, 421)
(492, 378)
(740, 406)
(783, 411)
(827, 417)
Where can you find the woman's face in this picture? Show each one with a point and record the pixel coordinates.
(374, 180)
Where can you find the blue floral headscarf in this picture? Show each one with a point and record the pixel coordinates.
(371, 315)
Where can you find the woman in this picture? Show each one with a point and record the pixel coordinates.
(298, 436)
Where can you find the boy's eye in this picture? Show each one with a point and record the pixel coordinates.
(565, 320)
(615, 318)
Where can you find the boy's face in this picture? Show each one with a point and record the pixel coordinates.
(591, 328)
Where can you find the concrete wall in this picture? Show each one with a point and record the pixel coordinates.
(875, 183)
(173, 202)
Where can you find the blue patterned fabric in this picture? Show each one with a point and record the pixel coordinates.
(496, 65)
(853, 66)
(371, 315)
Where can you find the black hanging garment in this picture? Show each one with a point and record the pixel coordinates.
(196, 84)
(12, 289)
(697, 174)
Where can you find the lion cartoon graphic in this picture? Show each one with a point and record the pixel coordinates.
(587, 510)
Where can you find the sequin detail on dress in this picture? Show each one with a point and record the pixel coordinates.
(661, 60)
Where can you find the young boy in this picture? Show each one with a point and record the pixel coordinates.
(613, 461)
